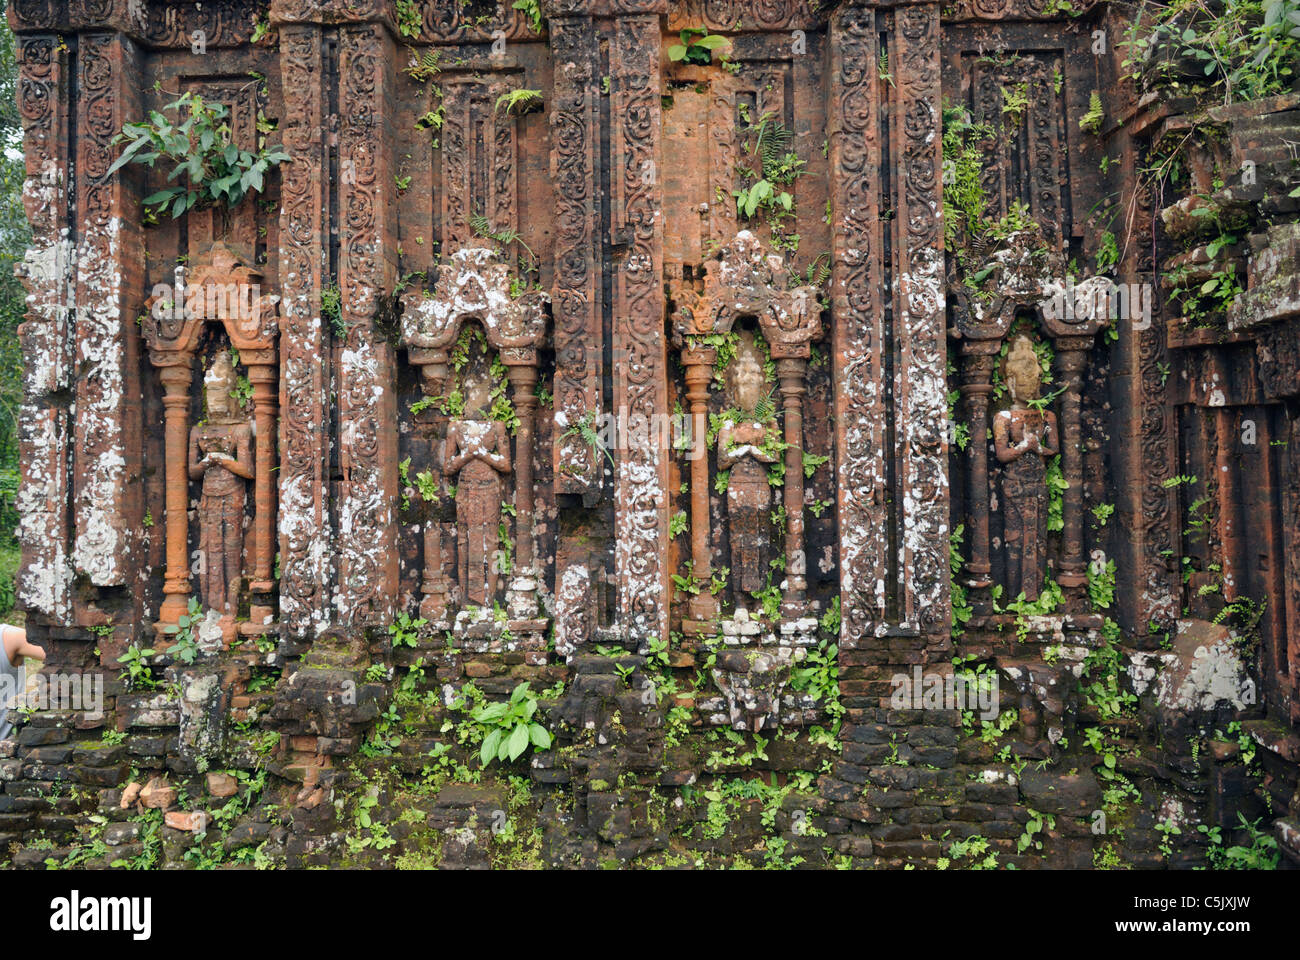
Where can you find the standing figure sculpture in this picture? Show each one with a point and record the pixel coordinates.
(221, 455)
(1023, 438)
(478, 456)
(746, 448)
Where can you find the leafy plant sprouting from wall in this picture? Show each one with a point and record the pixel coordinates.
(409, 19)
(510, 727)
(423, 68)
(1239, 50)
(519, 101)
(532, 9)
(697, 46)
(186, 648)
(585, 429)
(198, 145)
(483, 228)
(453, 403)
(773, 165)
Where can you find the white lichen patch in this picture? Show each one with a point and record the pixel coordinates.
(103, 550)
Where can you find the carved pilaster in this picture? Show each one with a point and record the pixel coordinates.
(641, 502)
(576, 289)
(857, 314)
(699, 372)
(920, 388)
(1071, 361)
(792, 372)
(305, 525)
(109, 262)
(45, 577)
(176, 378)
(367, 269)
(977, 372)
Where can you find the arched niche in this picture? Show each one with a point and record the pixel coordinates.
(217, 288)
(477, 287)
(745, 279)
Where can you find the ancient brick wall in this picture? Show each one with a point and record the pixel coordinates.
(705, 385)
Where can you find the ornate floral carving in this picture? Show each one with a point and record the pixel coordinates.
(105, 538)
(367, 407)
(859, 365)
(576, 289)
(639, 382)
(305, 528)
(45, 577)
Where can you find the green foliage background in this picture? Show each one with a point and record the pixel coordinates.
(14, 237)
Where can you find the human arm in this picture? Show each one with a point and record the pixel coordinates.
(17, 646)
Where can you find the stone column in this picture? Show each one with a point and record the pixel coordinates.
(1071, 359)
(977, 369)
(433, 580)
(306, 527)
(523, 380)
(265, 414)
(920, 382)
(107, 494)
(44, 581)
(698, 362)
(367, 541)
(176, 375)
(576, 291)
(791, 371)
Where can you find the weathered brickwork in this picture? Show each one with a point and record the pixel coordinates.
(655, 433)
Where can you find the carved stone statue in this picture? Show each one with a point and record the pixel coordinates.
(741, 449)
(221, 456)
(1023, 437)
(478, 456)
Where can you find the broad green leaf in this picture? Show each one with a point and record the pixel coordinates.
(518, 741)
(490, 744)
(125, 158)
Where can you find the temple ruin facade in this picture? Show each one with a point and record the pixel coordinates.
(684, 432)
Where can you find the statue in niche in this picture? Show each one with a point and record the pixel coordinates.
(744, 448)
(221, 456)
(1023, 439)
(478, 457)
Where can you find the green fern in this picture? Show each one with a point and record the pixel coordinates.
(1090, 122)
(520, 101)
(586, 430)
(819, 271)
(424, 67)
(481, 227)
(772, 146)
